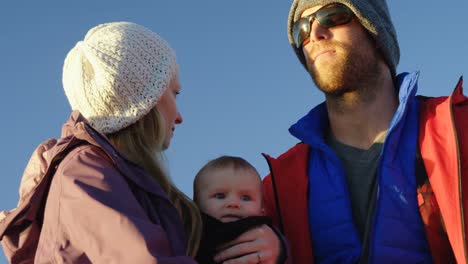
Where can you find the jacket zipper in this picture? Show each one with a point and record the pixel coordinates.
(462, 215)
(371, 235)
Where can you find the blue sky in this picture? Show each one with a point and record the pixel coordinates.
(242, 86)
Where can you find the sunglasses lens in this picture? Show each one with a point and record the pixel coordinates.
(301, 31)
(334, 16)
(328, 16)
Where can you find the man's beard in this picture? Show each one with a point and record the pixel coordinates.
(351, 68)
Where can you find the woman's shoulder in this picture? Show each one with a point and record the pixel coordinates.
(88, 165)
(86, 152)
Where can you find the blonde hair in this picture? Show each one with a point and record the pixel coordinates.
(223, 162)
(142, 143)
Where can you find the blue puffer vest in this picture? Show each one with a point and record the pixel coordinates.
(397, 227)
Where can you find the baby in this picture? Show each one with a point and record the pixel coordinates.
(228, 191)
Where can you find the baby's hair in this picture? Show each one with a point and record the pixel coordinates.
(223, 162)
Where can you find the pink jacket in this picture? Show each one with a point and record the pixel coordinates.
(100, 208)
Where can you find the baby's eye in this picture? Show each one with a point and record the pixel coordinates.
(246, 198)
(219, 196)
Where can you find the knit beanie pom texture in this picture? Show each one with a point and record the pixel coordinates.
(117, 74)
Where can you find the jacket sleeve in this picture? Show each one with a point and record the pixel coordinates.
(92, 216)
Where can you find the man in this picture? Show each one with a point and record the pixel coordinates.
(379, 174)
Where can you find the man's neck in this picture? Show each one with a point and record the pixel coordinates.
(360, 117)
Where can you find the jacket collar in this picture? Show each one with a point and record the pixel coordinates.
(311, 128)
(77, 126)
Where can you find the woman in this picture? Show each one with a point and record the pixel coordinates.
(110, 201)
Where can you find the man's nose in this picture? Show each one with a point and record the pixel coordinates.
(318, 32)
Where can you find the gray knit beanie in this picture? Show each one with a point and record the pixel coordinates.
(117, 74)
(373, 15)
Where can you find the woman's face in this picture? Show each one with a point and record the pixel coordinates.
(167, 107)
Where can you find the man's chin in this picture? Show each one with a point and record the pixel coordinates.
(328, 83)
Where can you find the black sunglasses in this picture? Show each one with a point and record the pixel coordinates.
(327, 16)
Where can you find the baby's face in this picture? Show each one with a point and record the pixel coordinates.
(229, 195)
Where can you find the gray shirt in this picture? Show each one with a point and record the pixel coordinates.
(360, 167)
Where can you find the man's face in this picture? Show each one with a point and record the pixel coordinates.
(340, 58)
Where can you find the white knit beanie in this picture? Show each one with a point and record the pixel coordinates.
(117, 74)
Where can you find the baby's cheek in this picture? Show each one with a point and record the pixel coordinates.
(257, 210)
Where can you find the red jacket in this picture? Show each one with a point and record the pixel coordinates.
(443, 128)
